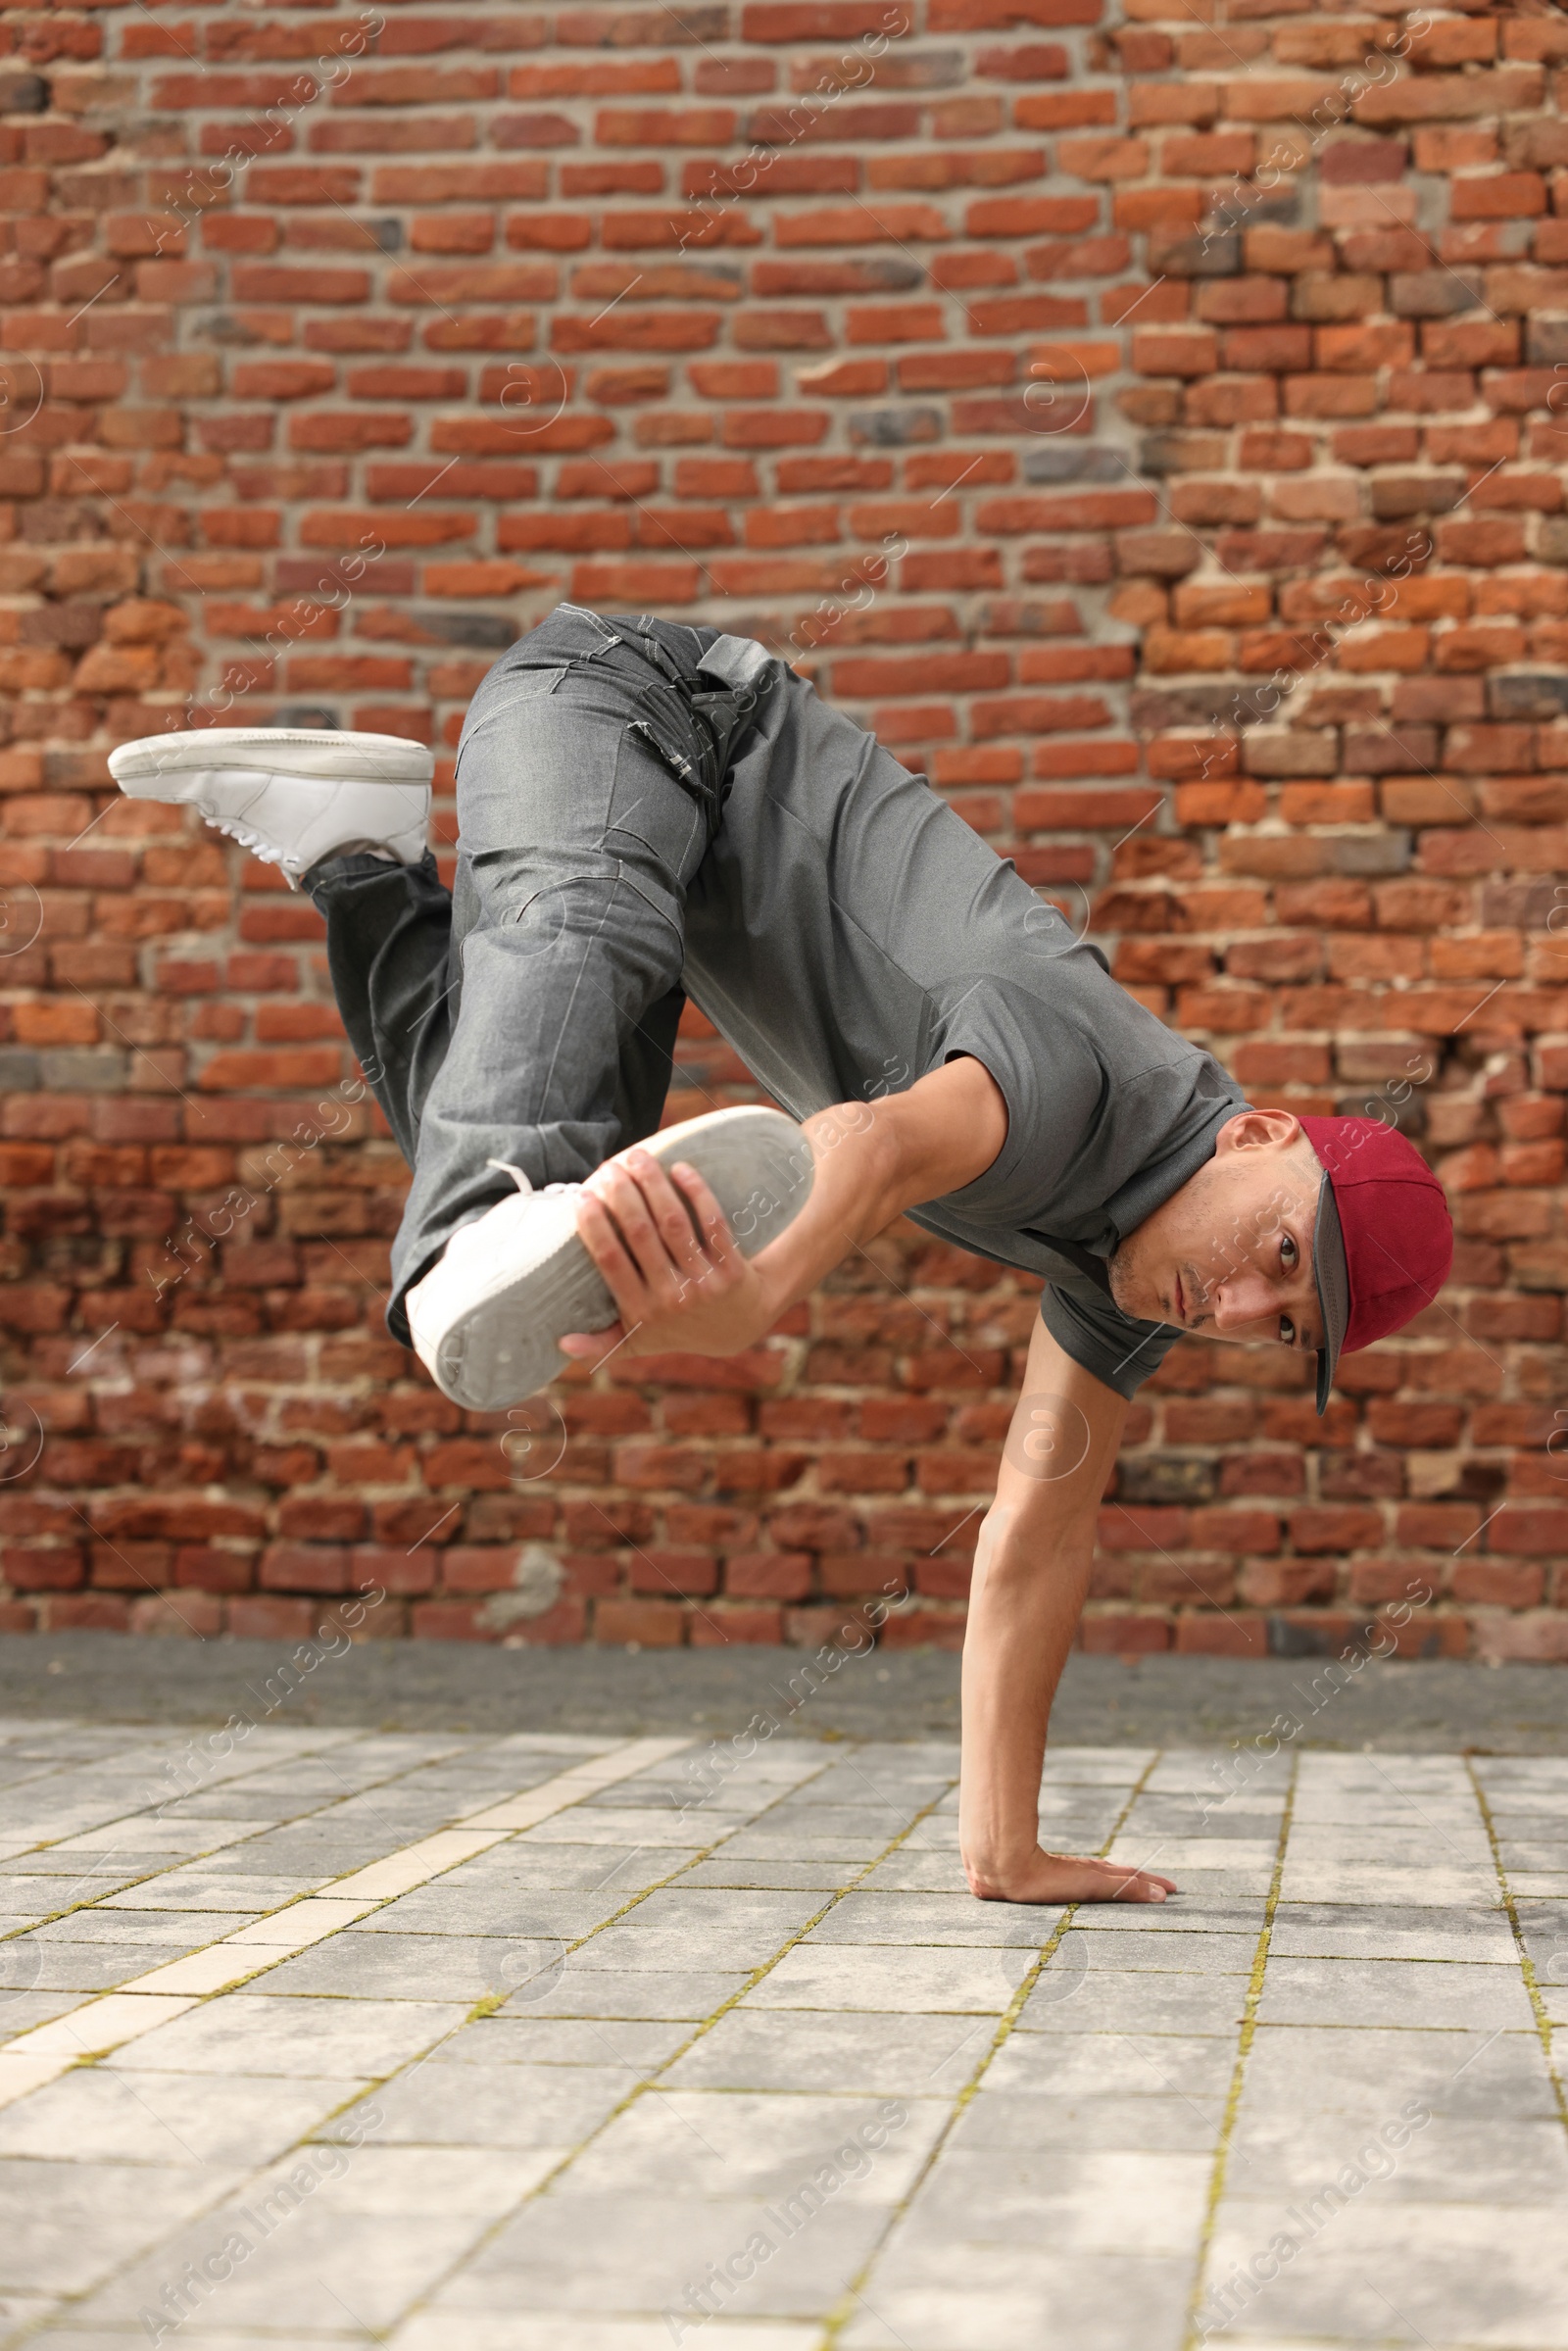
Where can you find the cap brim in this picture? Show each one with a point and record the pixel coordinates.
(1333, 1279)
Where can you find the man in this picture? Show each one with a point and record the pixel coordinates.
(648, 807)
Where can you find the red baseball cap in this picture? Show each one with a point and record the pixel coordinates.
(1383, 1242)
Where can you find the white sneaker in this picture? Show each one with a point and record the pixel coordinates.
(486, 1317)
(291, 794)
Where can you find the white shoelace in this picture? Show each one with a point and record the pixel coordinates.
(525, 1184)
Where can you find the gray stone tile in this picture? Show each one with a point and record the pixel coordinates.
(851, 1975)
(168, 1932)
(1379, 2271)
(186, 1889)
(726, 1869)
(1318, 2069)
(1019, 2298)
(616, 1825)
(773, 1914)
(857, 2053)
(20, 2010)
(628, 1948)
(770, 1843)
(1341, 1930)
(1075, 2199)
(513, 2330)
(431, 2182)
(641, 1992)
(255, 2033)
(1185, 1771)
(1226, 1914)
(57, 1896)
(566, 2252)
(66, 2227)
(1210, 1816)
(1096, 1767)
(518, 2038)
(497, 1906)
(912, 1871)
(1006, 2120)
(569, 1868)
(86, 1968)
(720, 2144)
(938, 1833)
(374, 2265)
(1520, 1855)
(1421, 1847)
(1388, 1886)
(1164, 1950)
(415, 1967)
(1362, 1818)
(1139, 2002)
(98, 2114)
(522, 2106)
(1132, 2065)
(1431, 1993)
(952, 1919)
(1412, 2155)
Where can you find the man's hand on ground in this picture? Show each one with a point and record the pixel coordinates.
(670, 1261)
(1065, 1878)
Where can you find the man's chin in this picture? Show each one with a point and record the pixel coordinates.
(1123, 1287)
(1136, 1298)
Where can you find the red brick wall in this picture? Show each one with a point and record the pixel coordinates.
(1045, 379)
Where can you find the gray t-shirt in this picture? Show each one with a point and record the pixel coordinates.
(848, 932)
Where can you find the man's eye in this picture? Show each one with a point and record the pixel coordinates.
(1290, 1255)
(1287, 1331)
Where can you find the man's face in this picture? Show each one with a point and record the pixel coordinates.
(1230, 1255)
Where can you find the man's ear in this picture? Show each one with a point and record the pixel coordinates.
(1257, 1130)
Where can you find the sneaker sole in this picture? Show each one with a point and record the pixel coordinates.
(757, 1163)
(140, 768)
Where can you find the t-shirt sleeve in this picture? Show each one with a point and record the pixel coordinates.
(1118, 1351)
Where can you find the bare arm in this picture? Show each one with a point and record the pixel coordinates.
(1031, 1574)
(876, 1160)
(872, 1160)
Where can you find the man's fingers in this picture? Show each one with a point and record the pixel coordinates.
(654, 1221)
(669, 1209)
(717, 1238)
(613, 1196)
(600, 1236)
(592, 1346)
(1142, 1886)
(1123, 1882)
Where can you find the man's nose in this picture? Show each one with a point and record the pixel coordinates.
(1241, 1299)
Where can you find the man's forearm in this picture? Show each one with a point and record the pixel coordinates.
(1031, 1576)
(856, 1194)
(872, 1160)
(1024, 1606)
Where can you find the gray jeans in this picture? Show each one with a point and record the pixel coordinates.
(639, 820)
(531, 1014)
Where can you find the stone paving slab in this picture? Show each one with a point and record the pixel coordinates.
(500, 2041)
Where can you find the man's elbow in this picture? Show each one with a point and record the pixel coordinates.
(1019, 1546)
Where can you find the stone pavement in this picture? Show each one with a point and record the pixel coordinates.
(561, 2043)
